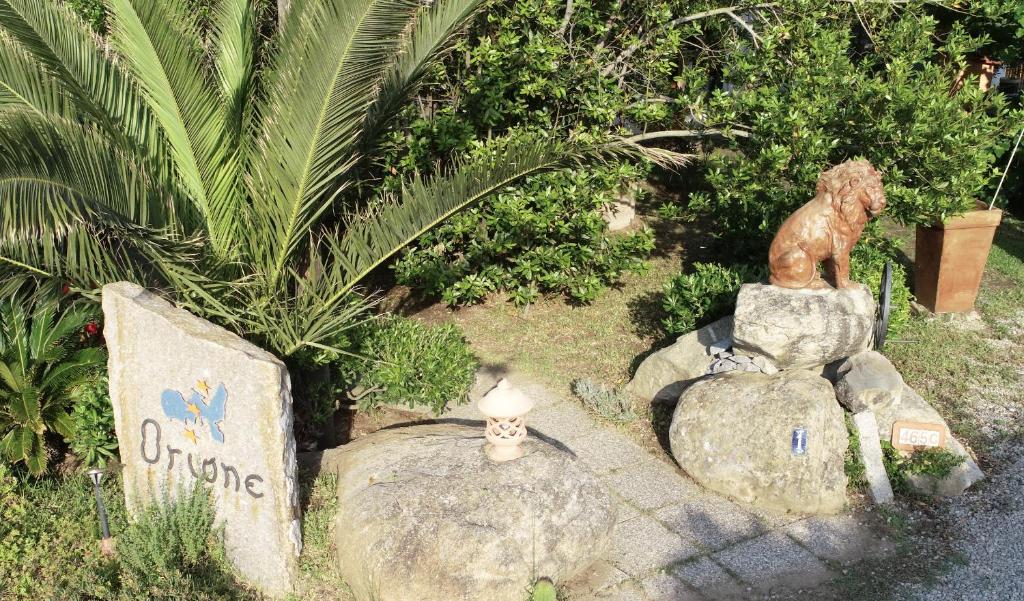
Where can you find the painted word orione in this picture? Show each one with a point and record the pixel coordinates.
(152, 452)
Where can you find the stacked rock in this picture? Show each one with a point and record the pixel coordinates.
(763, 422)
(726, 360)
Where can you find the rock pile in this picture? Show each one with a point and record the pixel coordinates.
(726, 360)
(761, 396)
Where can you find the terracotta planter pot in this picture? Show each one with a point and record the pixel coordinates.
(950, 259)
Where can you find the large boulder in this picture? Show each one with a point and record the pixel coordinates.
(733, 433)
(424, 514)
(911, 407)
(802, 328)
(867, 380)
(666, 373)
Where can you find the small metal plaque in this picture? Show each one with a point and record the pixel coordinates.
(799, 441)
(907, 436)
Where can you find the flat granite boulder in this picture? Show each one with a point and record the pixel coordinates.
(802, 328)
(733, 434)
(424, 514)
(666, 373)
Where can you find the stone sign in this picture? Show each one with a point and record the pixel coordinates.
(195, 402)
(907, 436)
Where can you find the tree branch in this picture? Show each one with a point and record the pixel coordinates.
(566, 18)
(744, 25)
(685, 133)
(628, 52)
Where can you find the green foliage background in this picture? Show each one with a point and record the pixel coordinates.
(412, 364)
(821, 82)
(816, 92)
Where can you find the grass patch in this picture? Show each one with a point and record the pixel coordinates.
(856, 473)
(320, 578)
(49, 545)
(49, 538)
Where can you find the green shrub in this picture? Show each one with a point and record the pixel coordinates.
(814, 93)
(928, 461)
(547, 236)
(93, 438)
(612, 405)
(695, 299)
(523, 66)
(174, 551)
(41, 362)
(867, 263)
(409, 363)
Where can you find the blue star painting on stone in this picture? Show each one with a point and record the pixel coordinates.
(200, 409)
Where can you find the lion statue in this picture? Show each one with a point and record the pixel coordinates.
(826, 228)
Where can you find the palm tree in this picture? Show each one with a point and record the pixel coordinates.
(40, 363)
(224, 169)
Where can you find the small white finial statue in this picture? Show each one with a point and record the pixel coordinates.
(505, 407)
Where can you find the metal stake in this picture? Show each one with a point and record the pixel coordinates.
(96, 476)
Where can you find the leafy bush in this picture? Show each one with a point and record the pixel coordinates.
(612, 405)
(41, 362)
(173, 551)
(817, 90)
(928, 461)
(708, 293)
(93, 438)
(547, 236)
(409, 363)
(528, 65)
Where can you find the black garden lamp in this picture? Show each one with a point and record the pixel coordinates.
(106, 544)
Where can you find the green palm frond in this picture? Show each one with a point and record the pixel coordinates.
(58, 380)
(234, 42)
(319, 91)
(76, 207)
(63, 46)
(24, 85)
(386, 227)
(435, 30)
(167, 61)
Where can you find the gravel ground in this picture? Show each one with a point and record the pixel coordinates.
(988, 525)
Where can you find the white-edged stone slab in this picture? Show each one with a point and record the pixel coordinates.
(194, 401)
(871, 456)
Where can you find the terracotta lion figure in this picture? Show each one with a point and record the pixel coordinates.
(826, 228)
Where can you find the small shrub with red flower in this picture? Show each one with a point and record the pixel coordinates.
(46, 352)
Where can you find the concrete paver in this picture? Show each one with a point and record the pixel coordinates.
(774, 561)
(642, 545)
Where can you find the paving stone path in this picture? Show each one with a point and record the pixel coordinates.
(675, 541)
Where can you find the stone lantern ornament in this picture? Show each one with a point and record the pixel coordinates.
(505, 407)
